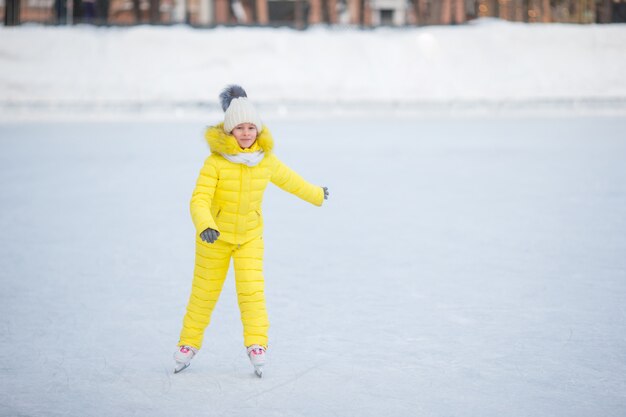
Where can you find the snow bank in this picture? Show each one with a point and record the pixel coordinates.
(485, 62)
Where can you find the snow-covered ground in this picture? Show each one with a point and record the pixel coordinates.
(460, 268)
(175, 72)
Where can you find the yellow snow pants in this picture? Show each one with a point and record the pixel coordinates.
(212, 263)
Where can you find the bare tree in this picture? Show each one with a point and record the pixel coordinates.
(354, 8)
(546, 12)
(503, 10)
(519, 9)
(421, 8)
(222, 13)
(137, 11)
(434, 15)
(155, 13)
(298, 13)
(446, 12)
(333, 17)
(494, 10)
(606, 11)
(248, 15)
(459, 11)
(315, 12)
(368, 17)
(262, 12)
(12, 13)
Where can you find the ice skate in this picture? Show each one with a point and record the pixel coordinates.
(256, 353)
(183, 357)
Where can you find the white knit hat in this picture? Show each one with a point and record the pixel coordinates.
(238, 109)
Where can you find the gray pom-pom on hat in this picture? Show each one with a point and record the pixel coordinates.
(229, 93)
(238, 109)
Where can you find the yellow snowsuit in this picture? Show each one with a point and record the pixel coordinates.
(227, 198)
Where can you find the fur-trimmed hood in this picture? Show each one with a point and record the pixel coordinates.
(221, 142)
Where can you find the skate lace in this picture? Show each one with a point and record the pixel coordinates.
(186, 350)
(256, 350)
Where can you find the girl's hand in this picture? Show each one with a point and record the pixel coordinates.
(209, 235)
(325, 193)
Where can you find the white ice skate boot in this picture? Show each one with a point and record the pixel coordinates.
(256, 353)
(183, 357)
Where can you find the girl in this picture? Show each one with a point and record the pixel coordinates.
(226, 211)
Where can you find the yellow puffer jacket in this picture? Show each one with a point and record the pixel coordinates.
(228, 195)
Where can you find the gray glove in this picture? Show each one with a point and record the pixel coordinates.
(325, 193)
(209, 235)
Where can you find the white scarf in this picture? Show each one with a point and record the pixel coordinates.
(250, 159)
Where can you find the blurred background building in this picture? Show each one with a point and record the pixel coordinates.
(302, 13)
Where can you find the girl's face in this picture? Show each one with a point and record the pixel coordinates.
(245, 133)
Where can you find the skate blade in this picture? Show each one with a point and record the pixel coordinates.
(181, 367)
(259, 372)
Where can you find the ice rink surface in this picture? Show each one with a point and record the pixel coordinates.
(462, 267)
